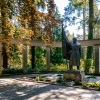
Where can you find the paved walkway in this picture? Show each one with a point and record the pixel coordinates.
(14, 88)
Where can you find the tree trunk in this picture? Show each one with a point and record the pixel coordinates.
(90, 34)
(4, 20)
(33, 57)
(84, 33)
(5, 58)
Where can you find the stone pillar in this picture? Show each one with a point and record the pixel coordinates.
(97, 59)
(48, 58)
(84, 52)
(24, 58)
(0, 59)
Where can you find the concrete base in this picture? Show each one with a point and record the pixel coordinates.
(72, 75)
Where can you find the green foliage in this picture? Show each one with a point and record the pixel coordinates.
(57, 62)
(56, 57)
(89, 52)
(43, 76)
(52, 81)
(72, 12)
(15, 57)
(63, 82)
(37, 78)
(98, 85)
(40, 59)
(56, 67)
(57, 34)
(59, 75)
(91, 77)
(87, 65)
(12, 71)
(93, 85)
(29, 69)
(40, 78)
(77, 80)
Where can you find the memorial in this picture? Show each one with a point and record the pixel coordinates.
(72, 51)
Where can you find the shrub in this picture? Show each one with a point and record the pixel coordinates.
(98, 86)
(52, 81)
(93, 85)
(87, 65)
(12, 71)
(61, 67)
(37, 78)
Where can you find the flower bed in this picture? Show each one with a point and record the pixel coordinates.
(92, 85)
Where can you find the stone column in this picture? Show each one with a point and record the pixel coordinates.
(0, 59)
(48, 58)
(97, 59)
(24, 58)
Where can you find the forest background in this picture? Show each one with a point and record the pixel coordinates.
(26, 19)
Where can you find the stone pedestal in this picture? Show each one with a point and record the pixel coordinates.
(72, 75)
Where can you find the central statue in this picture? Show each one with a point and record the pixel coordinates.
(71, 50)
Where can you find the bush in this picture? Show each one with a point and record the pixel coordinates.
(91, 85)
(61, 67)
(87, 65)
(12, 71)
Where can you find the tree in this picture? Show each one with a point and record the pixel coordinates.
(91, 22)
(6, 14)
(73, 12)
(56, 56)
(28, 18)
(88, 22)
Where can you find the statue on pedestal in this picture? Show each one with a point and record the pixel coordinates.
(71, 50)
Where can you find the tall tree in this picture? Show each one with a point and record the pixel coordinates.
(6, 10)
(90, 7)
(40, 4)
(3, 26)
(57, 51)
(28, 18)
(91, 23)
